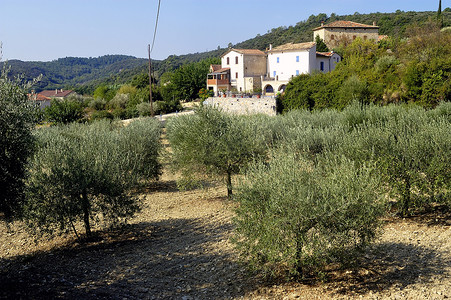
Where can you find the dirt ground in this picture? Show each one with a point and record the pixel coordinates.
(178, 247)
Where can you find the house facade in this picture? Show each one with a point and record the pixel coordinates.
(345, 31)
(241, 70)
(218, 79)
(326, 61)
(285, 62)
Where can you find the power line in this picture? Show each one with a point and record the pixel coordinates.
(156, 25)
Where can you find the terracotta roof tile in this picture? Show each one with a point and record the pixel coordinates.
(245, 51)
(55, 93)
(38, 97)
(328, 54)
(214, 68)
(345, 24)
(250, 51)
(291, 46)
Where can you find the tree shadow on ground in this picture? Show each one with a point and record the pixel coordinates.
(170, 259)
(391, 265)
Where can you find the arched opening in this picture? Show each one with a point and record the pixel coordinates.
(282, 88)
(269, 89)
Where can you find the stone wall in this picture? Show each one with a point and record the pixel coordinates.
(333, 37)
(244, 106)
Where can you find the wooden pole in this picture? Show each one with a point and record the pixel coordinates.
(150, 84)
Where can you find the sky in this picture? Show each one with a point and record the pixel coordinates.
(45, 30)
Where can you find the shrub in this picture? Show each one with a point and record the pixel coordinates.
(64, 111)
(119, 101)
(296, 216)
(165, 107)
(101, 114)
(84, 173)
(144, 109)
(17, 119)
(97, 104)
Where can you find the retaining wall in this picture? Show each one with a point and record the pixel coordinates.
(243, 106)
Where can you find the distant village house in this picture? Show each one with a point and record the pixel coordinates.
(43, 99)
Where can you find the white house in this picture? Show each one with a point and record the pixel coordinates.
(246, 68)
(285, 62)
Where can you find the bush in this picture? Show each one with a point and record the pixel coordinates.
(64, 111)
(165, 107)
(84, 173)
(17, 119)
(101, 114)
(296, 216)
(144, 109)
(97, 104)
(119, 101)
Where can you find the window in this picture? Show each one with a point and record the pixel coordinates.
(236, 59)
(274, 74)
(332, 37)
(321, 66)
(278, 60)
(297, 72)
(297, 58)
(365, 37)
(236, 75)
(228, 60)
(354, 37)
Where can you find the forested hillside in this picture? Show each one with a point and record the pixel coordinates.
(85, 74)
(71, 72)
(393, 24)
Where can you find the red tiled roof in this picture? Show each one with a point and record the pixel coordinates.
(291, 46)
(38, 97)
(328, 54)
(246, 52)
(55, 93)
(222, 70)
(214, 68)
(345, 24)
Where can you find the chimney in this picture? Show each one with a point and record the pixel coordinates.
(374, 23)
(56, 91)
(270, 47)
(322, 23)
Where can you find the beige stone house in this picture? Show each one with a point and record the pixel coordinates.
(345, 31)
(241, 70)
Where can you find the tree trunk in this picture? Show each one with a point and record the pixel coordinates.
(85, 206)
(229, 184)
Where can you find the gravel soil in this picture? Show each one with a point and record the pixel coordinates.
(179, 247)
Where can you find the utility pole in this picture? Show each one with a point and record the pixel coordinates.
(150, 84)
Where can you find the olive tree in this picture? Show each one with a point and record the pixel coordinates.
(215, 142)
(85, 173)
(297, 215)
(17, 119)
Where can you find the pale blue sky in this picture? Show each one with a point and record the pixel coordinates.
(49, 29)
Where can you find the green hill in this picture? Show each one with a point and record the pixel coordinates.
(84, 74)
